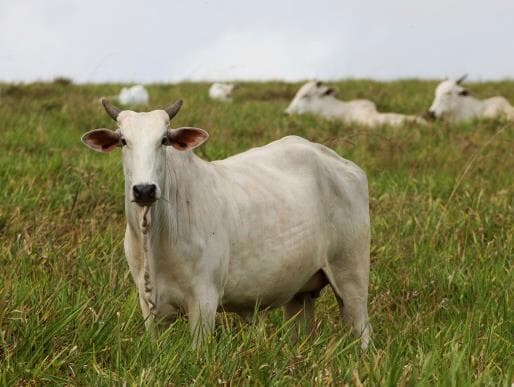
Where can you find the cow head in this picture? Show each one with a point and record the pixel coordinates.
(311, 92)
(144, 139)
(449, 97)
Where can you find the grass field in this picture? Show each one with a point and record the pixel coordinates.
(442, 274)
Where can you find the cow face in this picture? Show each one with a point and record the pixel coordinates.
(310, 93)
(144, 139)
(449, 98)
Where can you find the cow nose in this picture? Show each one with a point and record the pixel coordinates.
(431, 115)
(144, 193)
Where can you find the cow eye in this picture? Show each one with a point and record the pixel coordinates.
(464, 92)
(165, 140)
(123, 142)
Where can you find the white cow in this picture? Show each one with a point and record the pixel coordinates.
(268, 227)
(135, 95)
(221, 91)
(454, 103)
(316, 98)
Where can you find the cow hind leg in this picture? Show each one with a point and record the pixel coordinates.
(348, 277)
(247, 317)
(301, 309)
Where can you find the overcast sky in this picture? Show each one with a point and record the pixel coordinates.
(169, 41)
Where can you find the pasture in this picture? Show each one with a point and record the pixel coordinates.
(442, 270)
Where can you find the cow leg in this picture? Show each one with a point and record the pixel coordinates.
(301, 308)
(147, 316)
(202, 315)
(247, 317)
(349, 276)
(134, 255)
(352, 300)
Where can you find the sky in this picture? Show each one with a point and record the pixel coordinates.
(169, 41)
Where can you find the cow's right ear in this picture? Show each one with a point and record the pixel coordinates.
(101, 140)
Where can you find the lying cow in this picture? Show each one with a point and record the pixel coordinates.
(316, 98)
(135, 95)
(453, 102)
(269, 227)
(221, 91)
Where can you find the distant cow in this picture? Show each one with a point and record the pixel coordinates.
(135, 95)
(268, 227)
(453, 102)
(316, 98)
(221, 91)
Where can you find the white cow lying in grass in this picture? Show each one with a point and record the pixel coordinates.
(269, 227)
(454, 103)
(135, 95)
(316, 98)
(221, 91)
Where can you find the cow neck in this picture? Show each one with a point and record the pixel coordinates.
(330, 103)
(477, 104)
(471, 105)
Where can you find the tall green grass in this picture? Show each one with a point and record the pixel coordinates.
(441, 289)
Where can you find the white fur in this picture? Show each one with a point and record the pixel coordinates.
(221, 91)
(316, 98)
(135, 95)
(450, 104)
(257, 228)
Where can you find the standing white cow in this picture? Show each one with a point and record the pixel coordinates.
(453, 102)
(221, 91)
(316, 98)
(268, 227)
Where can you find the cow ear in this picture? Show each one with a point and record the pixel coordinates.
(186, 138)
(101, 140)
(464, 92)
(330, 91)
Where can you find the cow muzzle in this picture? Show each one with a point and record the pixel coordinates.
(144, 194)
(430, 115)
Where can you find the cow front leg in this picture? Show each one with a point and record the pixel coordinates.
(202, 315)
(135, 259)
(147, 315)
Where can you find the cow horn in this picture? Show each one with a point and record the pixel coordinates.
(461, 79)
(172, 110)
(112, 110)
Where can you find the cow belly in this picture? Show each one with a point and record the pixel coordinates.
(270, 271)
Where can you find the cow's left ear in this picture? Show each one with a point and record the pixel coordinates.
(330, 91)
(186, 138)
